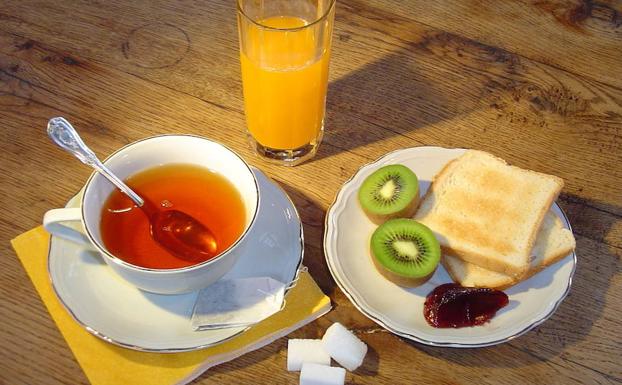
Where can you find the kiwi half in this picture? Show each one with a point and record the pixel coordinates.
(405, 251)
(389, 192)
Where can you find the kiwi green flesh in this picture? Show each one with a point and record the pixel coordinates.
(388, 190)
(406, 248)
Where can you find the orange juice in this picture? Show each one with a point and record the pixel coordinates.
(284, 74)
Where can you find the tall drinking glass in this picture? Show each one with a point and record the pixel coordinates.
(284, 53)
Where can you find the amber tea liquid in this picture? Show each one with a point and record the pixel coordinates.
(206, 196)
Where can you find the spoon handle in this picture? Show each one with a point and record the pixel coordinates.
(66, 137)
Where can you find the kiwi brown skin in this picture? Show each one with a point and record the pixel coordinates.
(407, 212)
(398, 279)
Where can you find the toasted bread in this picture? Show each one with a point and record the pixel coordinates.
(553, 243)
(487, 212)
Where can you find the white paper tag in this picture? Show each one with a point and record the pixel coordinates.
(237, 302)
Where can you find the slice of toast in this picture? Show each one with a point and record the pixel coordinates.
(488, 213)
(553, 243)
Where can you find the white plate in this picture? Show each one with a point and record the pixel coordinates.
(118, 312)
(400, 310)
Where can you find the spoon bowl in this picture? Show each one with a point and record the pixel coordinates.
(178, 231)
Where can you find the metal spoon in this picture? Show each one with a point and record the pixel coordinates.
(178, 232)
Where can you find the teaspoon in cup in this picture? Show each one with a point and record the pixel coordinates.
(178, 232)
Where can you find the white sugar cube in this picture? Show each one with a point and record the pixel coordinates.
(315, 374)
(344, 347)
(303, 351)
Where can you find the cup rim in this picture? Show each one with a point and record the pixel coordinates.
(102, 249)
(266, 27)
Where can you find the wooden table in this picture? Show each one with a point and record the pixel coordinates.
(536, 82)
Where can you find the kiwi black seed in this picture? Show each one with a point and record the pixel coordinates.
(389, 192)
(405, 251)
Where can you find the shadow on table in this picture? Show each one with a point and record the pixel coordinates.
(583, 307)
(370, 364)
(393, 96)
(312, 217)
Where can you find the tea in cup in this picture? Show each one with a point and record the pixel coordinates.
(191, 174)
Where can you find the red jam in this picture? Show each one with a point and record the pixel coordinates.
(453, 306)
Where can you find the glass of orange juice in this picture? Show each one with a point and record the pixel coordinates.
(284, 54)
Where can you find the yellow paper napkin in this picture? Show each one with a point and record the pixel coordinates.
(104, 363)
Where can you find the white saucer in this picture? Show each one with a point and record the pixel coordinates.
(118, 312)
(400, 310)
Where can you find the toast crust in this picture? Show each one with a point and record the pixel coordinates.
(487, 263)
(511, 281)
(481, 259)
(456, 278)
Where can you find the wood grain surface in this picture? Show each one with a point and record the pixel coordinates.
(535, 82)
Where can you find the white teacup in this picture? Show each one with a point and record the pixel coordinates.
(142, 155)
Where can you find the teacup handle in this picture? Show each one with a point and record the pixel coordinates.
(53, 223)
